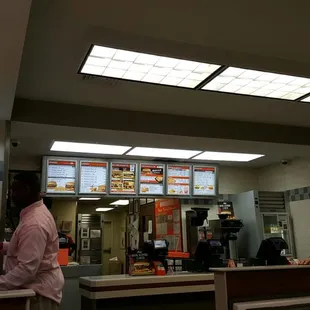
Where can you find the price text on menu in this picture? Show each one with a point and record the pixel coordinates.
(204, 181)
(178, 179)
(93, 177)
(61, 176)
(123, 178)
(151, 179)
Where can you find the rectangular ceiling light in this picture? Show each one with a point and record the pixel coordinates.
(104, 209)
(123, 64)
(224, 156)
(89, 198)
(162, 153)
(307, 99)
(75, 147)
(121, 202)
(259, 83)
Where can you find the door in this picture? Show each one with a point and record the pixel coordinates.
(107, 246)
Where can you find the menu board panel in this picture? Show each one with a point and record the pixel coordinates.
(178, 180)
(123, 178)
(93, 177)
(204, 181)
(151, 179)
(61, 176)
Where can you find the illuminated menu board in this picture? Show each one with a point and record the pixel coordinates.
(123, 178)
(178, 180)
(151, 179)
(204, 181)
(61, 176)
(93, 177)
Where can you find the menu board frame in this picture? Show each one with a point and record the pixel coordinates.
(216, 184)
(44, 182)
(164, 178)
(128, 162)
(190, 180)
(107, 185)
(137, 163)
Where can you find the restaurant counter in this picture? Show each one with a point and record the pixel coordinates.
(252, 287)
(72, 274)
(16, 299)
(182, 289)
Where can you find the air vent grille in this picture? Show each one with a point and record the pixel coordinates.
(271, 201)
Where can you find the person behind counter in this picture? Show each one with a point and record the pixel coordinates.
(32, 252)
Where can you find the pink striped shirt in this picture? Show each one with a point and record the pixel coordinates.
(32, 255)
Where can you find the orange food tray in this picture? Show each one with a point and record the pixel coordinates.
(178, 255)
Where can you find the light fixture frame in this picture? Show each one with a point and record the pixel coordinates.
(199, 86)
(88, 54)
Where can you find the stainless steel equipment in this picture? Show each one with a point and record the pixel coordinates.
(264, 215)
(89, 238)
(227, 230)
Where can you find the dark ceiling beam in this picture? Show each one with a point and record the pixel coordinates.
(53, 113)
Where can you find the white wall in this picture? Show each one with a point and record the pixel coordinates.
(300, 211)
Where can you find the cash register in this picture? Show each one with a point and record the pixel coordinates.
(157, 251)
(208, 254)
(269, 252)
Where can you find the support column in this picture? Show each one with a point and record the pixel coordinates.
(4, 176)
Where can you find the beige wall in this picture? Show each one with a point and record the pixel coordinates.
(234, 180)
(65, 210)
(279, 177)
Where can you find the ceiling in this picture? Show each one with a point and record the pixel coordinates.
(271, 37)
(36, 140)
(13, 23)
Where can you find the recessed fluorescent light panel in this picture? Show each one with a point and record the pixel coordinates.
(104, 209)
(163, 153)
(74, 147)
(122, 64)
(224, 156)
(89, 198)
(121, 202)
(259, 83)
(307, 99)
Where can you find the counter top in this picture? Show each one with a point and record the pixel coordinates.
(118, 286)
(260, 268)
(16, 294)
(125, 279)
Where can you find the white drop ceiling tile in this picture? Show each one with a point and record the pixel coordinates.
(258, 83)
(98, 61)
(188, 83)
(88, 69)
(111, 72)
(171, 81)
(307, 99)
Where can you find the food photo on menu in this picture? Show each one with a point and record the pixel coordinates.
(151, 179)
(123, 178)
(60, 185)
(60, 176)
